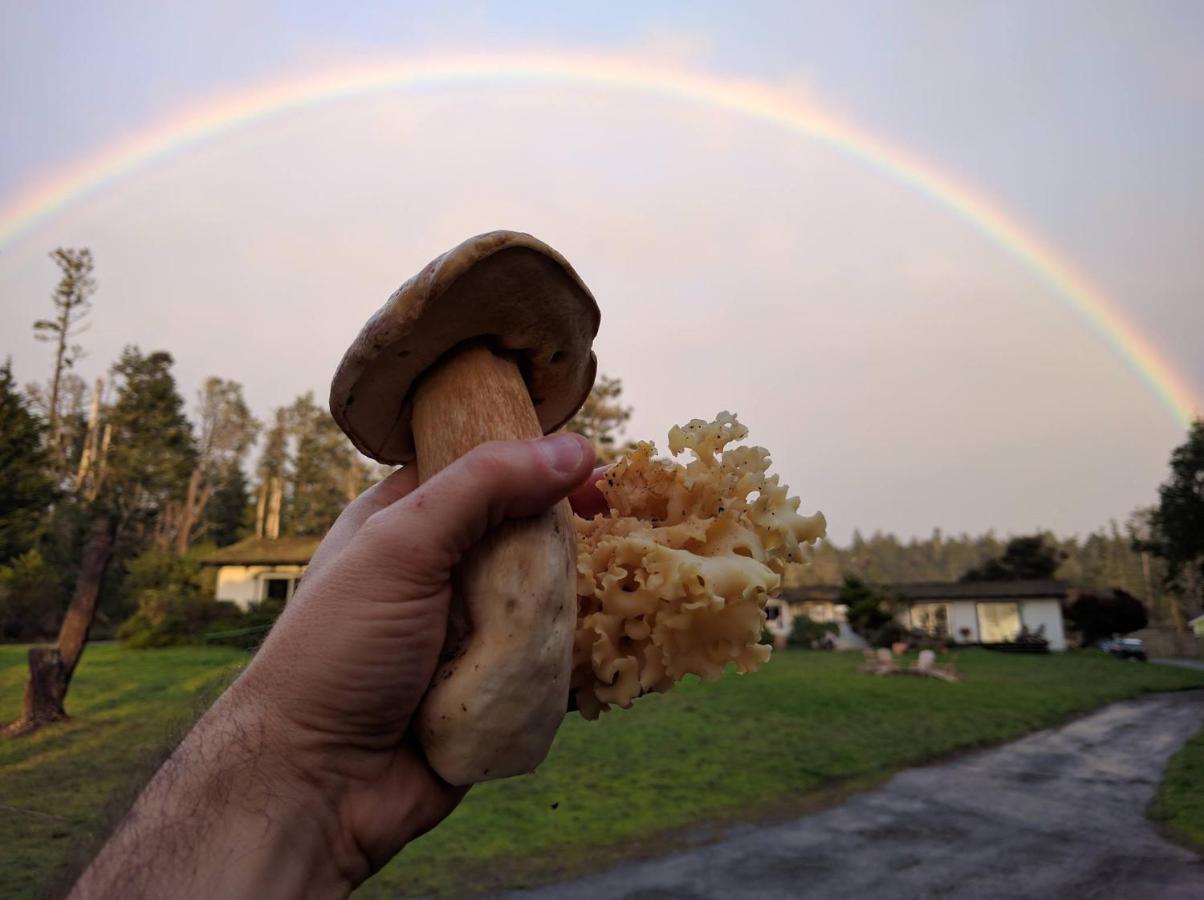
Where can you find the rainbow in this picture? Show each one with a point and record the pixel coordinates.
(758, 101)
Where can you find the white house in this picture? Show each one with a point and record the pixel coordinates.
(976, 612)
(258, 569)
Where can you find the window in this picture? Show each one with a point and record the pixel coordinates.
(998, 622)
(931, 618)
(278, 587)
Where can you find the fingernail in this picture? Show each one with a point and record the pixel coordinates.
(562, 451)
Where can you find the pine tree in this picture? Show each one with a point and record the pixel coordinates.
(326, 472)
(71, 306)
(25, 489)
(226, 515)
(602, 419)
(143, 469)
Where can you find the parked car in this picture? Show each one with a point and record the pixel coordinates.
(1125, 648)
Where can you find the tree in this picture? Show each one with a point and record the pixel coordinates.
(25, 489)
(71, 306)
(602, 419)
(1024, 558)
(1100, 614)
(227, 430)
(868, 612)
(326, 472)
(225, 517)
(1176, 525)
(809, 634)
(143, 469)
(273, 461)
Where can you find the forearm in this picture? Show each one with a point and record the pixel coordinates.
(224, 817)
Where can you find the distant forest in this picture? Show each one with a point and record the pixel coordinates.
(1103, 559)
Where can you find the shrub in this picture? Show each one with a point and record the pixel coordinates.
(887, 634)
(250, 628)
(31, 599)
(870, 612)
(807, 633)
(1101, 615)
(164, 619)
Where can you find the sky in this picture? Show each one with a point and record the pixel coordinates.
(906, 370)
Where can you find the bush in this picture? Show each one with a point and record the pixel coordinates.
(164, 619)
(871, 613)
(250, 629)
(31, 599)
(809, 634)
(887, 634)
(1101, 615)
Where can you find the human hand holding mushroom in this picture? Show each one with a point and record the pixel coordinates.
(454, 608)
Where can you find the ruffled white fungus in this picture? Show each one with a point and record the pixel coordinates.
(674, 580)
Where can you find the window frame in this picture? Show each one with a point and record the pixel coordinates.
(978, 608)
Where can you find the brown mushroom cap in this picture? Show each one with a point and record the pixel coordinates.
(506, 288)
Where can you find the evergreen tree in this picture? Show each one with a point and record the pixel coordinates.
(152, 451)
(226, 515)
(25, 489)
(144, 466)
(602, 419)
(71, 306)
(326, 472)
(1029, 557)
(1176, 525)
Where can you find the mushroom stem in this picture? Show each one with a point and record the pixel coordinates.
(496, 700)
(471, 397)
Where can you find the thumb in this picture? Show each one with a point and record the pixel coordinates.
(498, 480)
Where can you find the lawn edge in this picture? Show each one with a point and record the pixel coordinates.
(824, 796)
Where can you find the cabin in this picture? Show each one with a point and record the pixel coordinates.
(259, 568)
(974, 612)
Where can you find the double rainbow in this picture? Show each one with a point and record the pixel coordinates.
(746, 98)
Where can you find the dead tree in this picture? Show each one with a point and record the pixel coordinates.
(51, 668)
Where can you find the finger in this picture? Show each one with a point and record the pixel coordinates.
(447, 514)
(385, 492)
(587, 501)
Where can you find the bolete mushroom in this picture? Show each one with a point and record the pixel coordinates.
(490, 341)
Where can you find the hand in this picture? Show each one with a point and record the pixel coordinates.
(312, 742)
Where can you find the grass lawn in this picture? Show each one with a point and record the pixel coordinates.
(1179, 805)
(806, 728)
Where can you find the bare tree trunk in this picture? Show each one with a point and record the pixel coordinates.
(195, 501)
(87, 459)
(52, 419)
(261, 508)
(51, 668)
(275, 498)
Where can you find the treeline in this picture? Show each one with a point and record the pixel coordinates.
(117, 488)
(1102, 559)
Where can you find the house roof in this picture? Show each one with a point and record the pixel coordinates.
(1000, 591)
(261, 551)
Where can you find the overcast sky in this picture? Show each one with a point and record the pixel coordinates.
(906, 372)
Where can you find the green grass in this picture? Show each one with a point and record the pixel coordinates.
(54, 785)
(806, 728)
(1179, 805)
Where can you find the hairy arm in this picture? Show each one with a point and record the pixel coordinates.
(303, 778)
(225, 817)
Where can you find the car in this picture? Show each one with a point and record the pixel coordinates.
(1126, 648)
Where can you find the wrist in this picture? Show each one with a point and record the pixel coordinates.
(282, 808)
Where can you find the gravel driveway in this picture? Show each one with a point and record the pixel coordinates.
(1060, 813)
